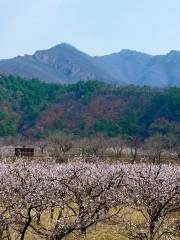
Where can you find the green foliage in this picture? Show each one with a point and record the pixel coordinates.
(129, 125)
(84, 90)
(86, 108)
(107, 126)
(7, 124)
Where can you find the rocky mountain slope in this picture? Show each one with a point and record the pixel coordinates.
(62, 63)
(66, 64)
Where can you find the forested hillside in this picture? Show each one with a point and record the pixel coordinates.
(33, 108)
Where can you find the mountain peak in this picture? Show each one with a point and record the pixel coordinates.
(57, 49)
(63, 45)
(132, 52)
(127, 51)
(173, 53)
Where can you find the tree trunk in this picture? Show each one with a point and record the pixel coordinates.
(151, 231)
(1, 233)
(26, 224)
(178, 155)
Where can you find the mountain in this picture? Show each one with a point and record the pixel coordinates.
(62, 63)
(66, 64)
(127, 65)
(137, 68)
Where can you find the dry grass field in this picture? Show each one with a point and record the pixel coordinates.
(102, 231)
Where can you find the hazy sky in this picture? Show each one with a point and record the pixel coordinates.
(94, 26)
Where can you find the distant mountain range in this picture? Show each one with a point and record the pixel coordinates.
(66, 64)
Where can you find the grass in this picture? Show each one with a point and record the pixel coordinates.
(100, 232)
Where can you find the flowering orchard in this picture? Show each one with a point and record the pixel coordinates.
(52, 201)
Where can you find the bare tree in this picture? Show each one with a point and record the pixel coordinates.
(94, 146)
(61, 144)
(153, 148)
(173, 143)
(134, 144)
(117, 145)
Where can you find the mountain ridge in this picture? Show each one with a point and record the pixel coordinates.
(64, 63)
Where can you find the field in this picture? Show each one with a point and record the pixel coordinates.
(108, 230)
(100, 232)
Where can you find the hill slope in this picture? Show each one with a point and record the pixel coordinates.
(34, 108)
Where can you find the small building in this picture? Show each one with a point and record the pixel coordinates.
(24, 152)
(19, 151)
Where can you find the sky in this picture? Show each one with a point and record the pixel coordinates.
(97, 27)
